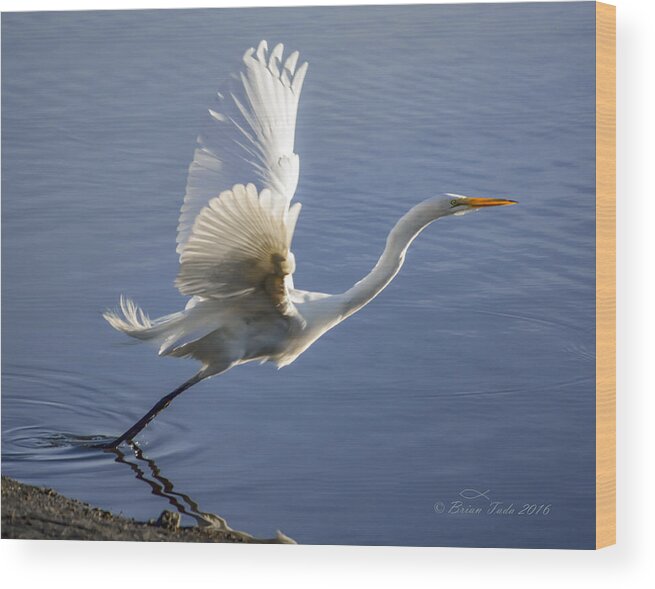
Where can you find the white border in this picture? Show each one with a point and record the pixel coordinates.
(119, 565)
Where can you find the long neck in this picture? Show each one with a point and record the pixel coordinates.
(391, 260)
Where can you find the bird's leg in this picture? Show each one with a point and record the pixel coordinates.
(148, 417)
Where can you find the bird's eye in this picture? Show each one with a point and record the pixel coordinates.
(453, 203)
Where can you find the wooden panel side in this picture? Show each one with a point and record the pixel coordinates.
(605, 275)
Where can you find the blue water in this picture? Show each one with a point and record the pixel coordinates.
(472, 373)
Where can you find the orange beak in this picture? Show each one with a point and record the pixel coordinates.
(489, 202)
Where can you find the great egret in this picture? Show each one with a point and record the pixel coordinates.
(234, 238)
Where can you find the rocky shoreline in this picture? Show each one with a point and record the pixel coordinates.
(34, 513)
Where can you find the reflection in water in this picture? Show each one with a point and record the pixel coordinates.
(185, 505)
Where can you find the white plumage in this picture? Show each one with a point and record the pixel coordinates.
(234, 240)
(252, 136)
(235, 232)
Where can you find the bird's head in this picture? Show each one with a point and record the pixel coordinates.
(458, 204)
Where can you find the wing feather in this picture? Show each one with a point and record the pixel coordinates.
(251, 135)
(240, 246)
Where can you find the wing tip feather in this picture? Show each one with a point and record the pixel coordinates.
(277, 169)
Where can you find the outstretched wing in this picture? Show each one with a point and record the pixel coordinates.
(251, 136)
(240, 246)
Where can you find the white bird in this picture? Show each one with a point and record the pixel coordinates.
(235, 232)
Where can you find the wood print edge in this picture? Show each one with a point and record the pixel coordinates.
(605, 275)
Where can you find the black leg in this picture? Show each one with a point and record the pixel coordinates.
(148, 417)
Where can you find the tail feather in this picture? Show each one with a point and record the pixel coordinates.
(133, 321)
(130, 318)
(173, 334)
